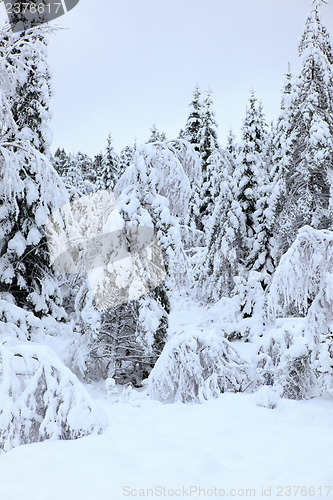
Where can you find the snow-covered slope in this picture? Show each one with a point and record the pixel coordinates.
(224, 443)
(229, 443)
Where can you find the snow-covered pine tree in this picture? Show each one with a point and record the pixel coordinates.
(152, 193)
(254, 191)
(279, 164)
(304, 279)
(201, 132)
(156, 135)
(231, 145)
(30, 104)
(109, 173)
(250, 170)
(26, 174)
(208, 147)
(60, 161)
(193, 125)
(97, 166)
(221, 263)
(125, 159)
(307, 140)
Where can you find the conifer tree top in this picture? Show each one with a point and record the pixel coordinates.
(315, 42)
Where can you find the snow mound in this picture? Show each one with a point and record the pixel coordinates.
(267, 397)
(42, 399)
(198, 366)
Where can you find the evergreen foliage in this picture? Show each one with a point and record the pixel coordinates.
(307, 136)
(26, 175)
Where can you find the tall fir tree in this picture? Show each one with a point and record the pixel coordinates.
(246, 239)
(221, 263)
(231, 145)
(156, 135)
(208, 148)
(27, 174)
(152, 192)
(125, 159)
(250, 173)
(109, 172)
(192, 131)
(307, 140)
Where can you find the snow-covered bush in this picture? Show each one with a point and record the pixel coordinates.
(111, 389)
(197, 367)
(267, 397)
(284, 360)
(296, 371)
(41, 399)
(273, 345)
(304, 278)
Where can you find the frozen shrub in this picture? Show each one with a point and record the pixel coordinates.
(41, 399)
(197, 367)
(272, 347)
(267, 397)
(303, 279)
(284, 360)
(297, 373)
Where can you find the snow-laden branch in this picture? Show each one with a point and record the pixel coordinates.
(299, 275)
(42, 399)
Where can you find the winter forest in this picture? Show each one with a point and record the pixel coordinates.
(173, 274)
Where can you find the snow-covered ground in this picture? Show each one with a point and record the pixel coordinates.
(230, 444)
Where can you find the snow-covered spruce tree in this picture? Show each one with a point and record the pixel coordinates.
(190, 161)
(304, 279)
(60, 161)
(201, 132)
(279, 163)
(125, 159)
(30, 104)
(221, 264)
(79, 175)
(86, 165)
(254, 190)
(31, 378)
(250, 170)
(156, 135)
(208, 147)
(152, 193)
(161, 189)
(307, 139)
(191, 134)
(240, 229)
(109, 173)
(26, 174)
(232, 148)
(193, 125)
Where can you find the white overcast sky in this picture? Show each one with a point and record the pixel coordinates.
(121, 65)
